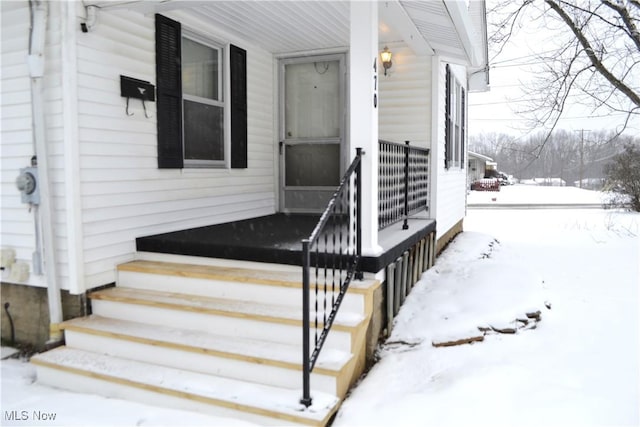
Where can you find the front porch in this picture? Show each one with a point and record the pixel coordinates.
(203, 336)
(277, 239)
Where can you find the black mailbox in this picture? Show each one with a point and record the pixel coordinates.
(138, 89)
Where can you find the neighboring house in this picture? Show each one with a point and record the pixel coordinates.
(184, 150)
(478, 166)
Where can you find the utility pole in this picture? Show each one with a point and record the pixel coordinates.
(582, 131)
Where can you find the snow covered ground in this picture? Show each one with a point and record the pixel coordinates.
(534, 194)
(578, 367)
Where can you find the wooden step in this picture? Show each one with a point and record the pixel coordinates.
(220, 316)
(226, 273)
(233, 357)
(87, 372)
(282, 287)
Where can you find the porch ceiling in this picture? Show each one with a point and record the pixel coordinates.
(280, 26)
(283, 27)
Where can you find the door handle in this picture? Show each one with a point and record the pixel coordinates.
(281, 145)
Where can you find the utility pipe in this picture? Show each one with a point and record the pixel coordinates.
(35, 62)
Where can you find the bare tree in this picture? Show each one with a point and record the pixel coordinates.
(566, 155)
(595, 60)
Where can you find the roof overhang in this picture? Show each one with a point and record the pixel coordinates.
(479, 156)
(453, 29)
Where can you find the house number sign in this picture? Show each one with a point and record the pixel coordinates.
(375, 82)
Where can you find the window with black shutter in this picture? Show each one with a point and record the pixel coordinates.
(448, 153)
(455, 122)
(191, 102)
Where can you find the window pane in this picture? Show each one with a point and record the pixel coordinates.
(203, 131)
(312, 106)
(312, 165)
(200, 70)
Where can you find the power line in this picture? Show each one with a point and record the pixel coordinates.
(561, 118)
(532, 55)
(521, 64)
(499, 102)
(506, 63)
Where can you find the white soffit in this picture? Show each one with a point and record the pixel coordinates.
(283, 27)
(396, 25)
(276, 26)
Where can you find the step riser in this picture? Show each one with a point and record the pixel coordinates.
(215, 324)
(242, 291)
(198, 362)
(84, 384)
(215, 262)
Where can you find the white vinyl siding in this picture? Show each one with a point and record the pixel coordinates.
(404, 106)
(451, 184)
(124, 194)
(17, 147)
(18, 223)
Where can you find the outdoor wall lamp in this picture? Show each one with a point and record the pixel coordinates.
(385, 56)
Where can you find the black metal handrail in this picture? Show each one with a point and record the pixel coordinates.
(332, 253)
(403, 182)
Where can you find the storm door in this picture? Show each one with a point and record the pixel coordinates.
(311, 131)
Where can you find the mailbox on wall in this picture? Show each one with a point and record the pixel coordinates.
(137, 89)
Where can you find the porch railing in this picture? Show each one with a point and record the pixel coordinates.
(331, 260)
(403, 182)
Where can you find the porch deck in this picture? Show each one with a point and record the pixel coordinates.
(276, 239)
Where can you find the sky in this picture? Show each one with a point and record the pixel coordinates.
(496, 110)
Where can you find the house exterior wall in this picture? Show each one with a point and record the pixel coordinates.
(450, 184)
(105, 184)
(476, 168)
(120, 193)
(412, 107)
(18, 221)
(18, 231)
(404, 94)
(124, 194)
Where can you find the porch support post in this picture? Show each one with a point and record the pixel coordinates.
(363, 112)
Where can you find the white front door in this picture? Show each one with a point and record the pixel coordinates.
(311, 131)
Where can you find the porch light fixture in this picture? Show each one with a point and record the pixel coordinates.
(385, 56)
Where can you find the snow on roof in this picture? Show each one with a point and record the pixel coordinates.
(480, 156)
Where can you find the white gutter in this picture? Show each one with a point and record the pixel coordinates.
(35, 63)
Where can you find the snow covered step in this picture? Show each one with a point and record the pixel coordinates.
(245, 319)
(88, 372)
(282, 287)
(250, 360)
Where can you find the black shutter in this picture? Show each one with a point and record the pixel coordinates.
(238, 67)
(169, 83)
(447, 125)
(463, 132)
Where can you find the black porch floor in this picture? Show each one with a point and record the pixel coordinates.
(275, 239)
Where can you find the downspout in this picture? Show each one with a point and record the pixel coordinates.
(35, 63)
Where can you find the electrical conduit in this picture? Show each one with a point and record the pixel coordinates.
(35, 62)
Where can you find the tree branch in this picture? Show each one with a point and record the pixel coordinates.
(590, 52)
(499, 37)
(633, 32)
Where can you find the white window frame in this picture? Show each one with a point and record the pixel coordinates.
(457, 127)
(223, 95)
